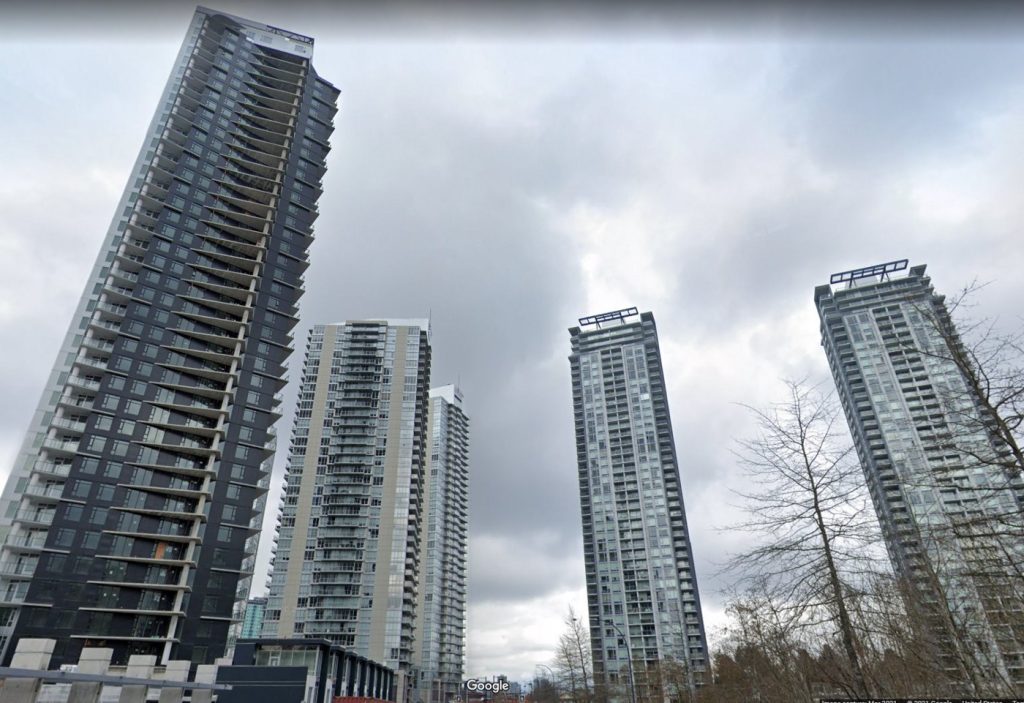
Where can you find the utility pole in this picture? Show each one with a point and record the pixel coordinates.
(629, 655)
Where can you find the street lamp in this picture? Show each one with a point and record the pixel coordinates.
(629, 660)
(552, 681)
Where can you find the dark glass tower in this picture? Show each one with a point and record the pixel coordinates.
(132, 515)
(642, 593)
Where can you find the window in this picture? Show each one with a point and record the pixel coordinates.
(96, 443)
(56, 562)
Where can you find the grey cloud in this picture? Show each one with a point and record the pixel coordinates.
(455, 170)
(877, 105)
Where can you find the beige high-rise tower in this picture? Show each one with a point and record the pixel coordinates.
(347, 555)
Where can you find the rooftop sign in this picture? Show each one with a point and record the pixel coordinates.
(615, 315)
(882, 270)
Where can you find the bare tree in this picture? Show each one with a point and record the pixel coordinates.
(572, 658)
(758, 658)
(974, 542)
(809, 511)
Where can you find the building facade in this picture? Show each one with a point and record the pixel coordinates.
(441, 596)
(642, 594)
(346, 562)
(131, 517)
(933, 470)
(252, 620)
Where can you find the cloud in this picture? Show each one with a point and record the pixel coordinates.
(508, 187)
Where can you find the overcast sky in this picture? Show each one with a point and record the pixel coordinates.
(508, 173)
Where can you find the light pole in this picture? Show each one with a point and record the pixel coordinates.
(552, 681)
(629, 660)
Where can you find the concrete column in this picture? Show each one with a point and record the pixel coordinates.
(93, 660)
(32, 653)
(205, 673)
(175, 671)
(350, 674)
(140, 666)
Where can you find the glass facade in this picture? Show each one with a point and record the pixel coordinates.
(930, 462)
(347, 555)
(642, 592)
(441, 597)
(252, 621)
(132, 515)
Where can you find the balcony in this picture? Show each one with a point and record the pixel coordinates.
(27, 542)
(44, 493)
(12, 598)
(60, 447)
(91, 362)
(112, 313)
(81, 382)
(67, 424)
(16, 569)
(98, 344)
(125, 275)
(35, 518)
(111, 328)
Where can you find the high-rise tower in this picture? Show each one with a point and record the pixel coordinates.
(441, 597)
(347, 556)
(641, 585)
(949, 506)
(132, 514)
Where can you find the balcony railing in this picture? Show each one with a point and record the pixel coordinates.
(52, 468)
(14, 569)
